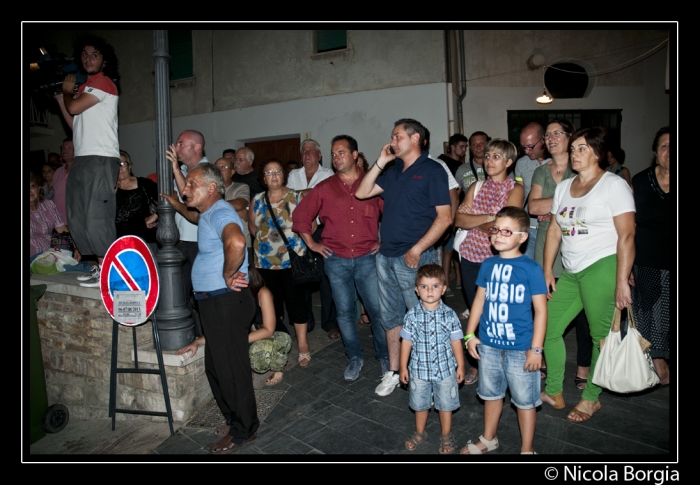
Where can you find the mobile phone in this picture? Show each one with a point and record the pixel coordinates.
(392, 151)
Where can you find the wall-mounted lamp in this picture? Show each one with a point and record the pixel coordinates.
(544, 99)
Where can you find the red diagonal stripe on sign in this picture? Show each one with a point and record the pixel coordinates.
(124, 273)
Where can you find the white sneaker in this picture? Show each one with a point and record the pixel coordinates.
(93, 281)
(390, 381)
(88, 276)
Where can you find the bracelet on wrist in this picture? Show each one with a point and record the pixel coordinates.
(536, 350)
(467, 337)
(377, 165)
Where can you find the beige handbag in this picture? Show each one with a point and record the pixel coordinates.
(624, 365)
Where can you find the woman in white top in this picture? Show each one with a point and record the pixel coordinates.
(593, 220)
(544, 184)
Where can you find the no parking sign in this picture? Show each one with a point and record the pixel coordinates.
(129, 281)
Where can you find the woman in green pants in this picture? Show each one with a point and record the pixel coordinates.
(593, 220)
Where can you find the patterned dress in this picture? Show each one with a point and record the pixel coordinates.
(651, 295)
(492, 197)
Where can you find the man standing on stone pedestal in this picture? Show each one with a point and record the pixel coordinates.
(91, 113)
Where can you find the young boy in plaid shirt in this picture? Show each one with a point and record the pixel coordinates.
(432, 337)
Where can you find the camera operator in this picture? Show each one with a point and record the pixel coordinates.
(92, 115)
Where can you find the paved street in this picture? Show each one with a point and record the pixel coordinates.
(315, 412)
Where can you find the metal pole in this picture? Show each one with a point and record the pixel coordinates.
(176, 327)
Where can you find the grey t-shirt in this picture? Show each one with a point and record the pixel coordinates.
(465, 176)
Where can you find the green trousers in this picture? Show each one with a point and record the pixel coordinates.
(592, 290)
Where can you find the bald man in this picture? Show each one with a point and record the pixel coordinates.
(189, 151)
(532, 143)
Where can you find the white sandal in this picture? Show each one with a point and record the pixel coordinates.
(472, 449)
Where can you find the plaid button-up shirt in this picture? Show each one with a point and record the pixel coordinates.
(431, 334)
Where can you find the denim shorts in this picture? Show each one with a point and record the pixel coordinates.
(501, 369)
(444, 393)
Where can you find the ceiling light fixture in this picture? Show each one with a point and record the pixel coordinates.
(544, 99)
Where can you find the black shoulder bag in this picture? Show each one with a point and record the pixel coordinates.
(304, 268)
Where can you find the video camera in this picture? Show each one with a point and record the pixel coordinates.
(47, 74)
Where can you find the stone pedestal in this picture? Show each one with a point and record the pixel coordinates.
(76, 338)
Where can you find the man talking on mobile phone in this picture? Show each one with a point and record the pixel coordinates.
(417, 211)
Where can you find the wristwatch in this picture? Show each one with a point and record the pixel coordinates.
(536, 350)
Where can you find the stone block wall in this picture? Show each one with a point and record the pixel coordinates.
(76, 340)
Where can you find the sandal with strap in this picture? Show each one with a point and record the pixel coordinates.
(228, 443)
(557, 398)
(447, 444)
(415, 440)
(580, 416)
(580, 382)
(362, 319)
(472, 449)
(304, 358)
(470, 378)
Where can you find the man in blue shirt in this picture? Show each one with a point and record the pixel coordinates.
(226, 306)
(416, 213)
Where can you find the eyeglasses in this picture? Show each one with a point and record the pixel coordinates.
(504, 232)
(223, 167)
(122, 164)
(556, 133)
(531, 147)
(273, 173)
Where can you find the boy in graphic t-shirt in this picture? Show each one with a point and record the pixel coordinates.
(509, 345)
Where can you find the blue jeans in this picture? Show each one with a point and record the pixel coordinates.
(397, 286)
(529, 245)
(344, 275)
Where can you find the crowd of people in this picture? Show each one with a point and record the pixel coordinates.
(546, 239)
